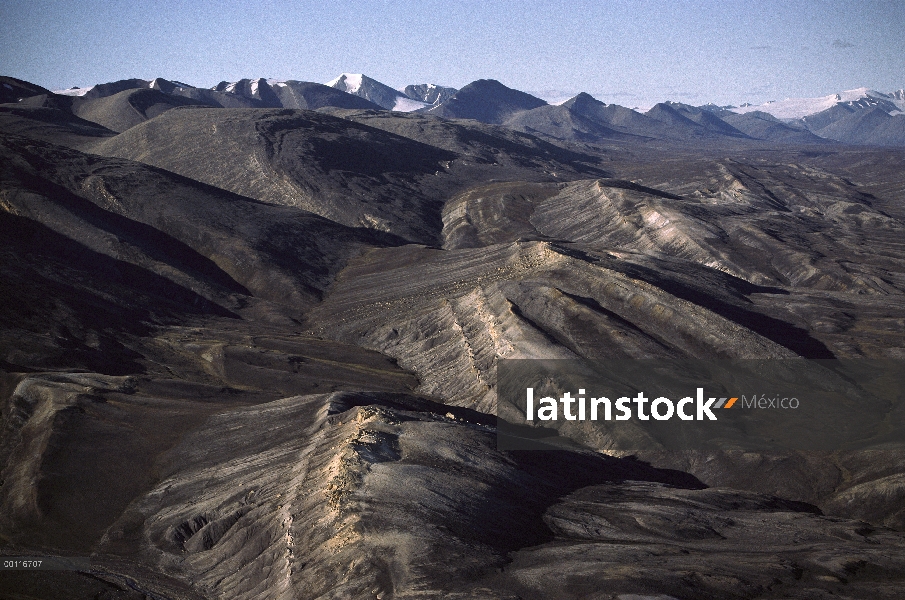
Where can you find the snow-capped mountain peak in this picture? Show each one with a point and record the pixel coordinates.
(347, 82)
(378, 93)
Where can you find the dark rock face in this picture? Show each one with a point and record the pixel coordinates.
(429, 93)
(251, 352)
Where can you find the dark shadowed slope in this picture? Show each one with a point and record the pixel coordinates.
(488, 101)
(208, 240)
(346, 172)
(13, 90)
(49, 118)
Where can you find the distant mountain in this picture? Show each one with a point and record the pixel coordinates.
(898, 98)
(707, 119)
(429, 93)
(825, 118)
(689, 122)
(665, 113)
(273, 93)
(763, 126)
(376, 92)
(103, 90)
(265, 93)
(797, 108)
(562, 123)
(215, 98)
(586, 119)
(488, 101)
(871, 126)
(615, 116)
(580, 119)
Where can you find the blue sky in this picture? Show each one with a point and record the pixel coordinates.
(630, 53)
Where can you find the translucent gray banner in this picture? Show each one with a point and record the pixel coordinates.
(756, 405)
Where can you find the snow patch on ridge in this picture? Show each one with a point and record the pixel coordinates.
(74, 91)
(406, 104)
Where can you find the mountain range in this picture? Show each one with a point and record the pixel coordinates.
(860, 116)
(250, 338)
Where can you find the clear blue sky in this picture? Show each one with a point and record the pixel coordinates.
(625, 52)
